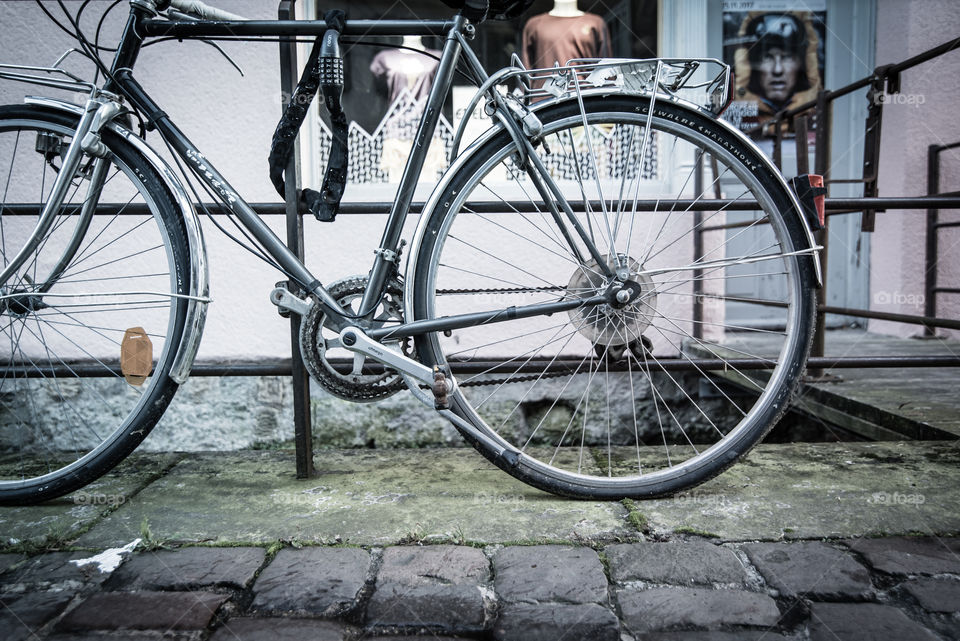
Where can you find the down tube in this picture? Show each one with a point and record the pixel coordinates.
(287, 261)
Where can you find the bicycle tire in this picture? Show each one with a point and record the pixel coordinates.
(510, 390)
(68, 413)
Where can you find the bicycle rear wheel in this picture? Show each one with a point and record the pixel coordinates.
(612, 401)
(69, 408)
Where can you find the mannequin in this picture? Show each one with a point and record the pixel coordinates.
(565, 9)
(405, 69)
(562, 34)
(408, 76)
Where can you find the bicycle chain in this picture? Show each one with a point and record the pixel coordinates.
(504, 290)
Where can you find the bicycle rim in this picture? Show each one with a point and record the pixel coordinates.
(615, 402)
(74, 398)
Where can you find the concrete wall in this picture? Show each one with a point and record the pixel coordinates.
(924, 114)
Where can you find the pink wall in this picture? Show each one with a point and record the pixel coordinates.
(924, 113)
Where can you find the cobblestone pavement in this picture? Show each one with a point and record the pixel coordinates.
(686, 588)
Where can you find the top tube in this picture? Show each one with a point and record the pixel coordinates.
(246, 28)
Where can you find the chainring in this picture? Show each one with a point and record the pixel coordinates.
(319, 346)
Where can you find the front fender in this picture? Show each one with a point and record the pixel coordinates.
(199, 274)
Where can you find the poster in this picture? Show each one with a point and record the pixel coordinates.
(776, 51)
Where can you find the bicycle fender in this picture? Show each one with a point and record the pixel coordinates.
(794, 200)
(430, 205)
(677, 102)
(199, 273)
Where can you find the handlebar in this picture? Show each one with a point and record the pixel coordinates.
(202, 10)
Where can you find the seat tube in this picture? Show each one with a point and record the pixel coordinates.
(387, 253)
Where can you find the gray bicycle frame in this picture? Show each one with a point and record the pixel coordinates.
(142, 25)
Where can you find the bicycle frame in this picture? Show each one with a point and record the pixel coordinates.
(517, 139)
(141, 26)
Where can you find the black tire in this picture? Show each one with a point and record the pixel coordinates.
(67, 414)
(515, 256)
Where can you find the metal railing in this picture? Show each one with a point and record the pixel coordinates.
(885, 78)
(930, 286)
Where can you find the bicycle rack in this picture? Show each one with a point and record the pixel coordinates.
(302, 419)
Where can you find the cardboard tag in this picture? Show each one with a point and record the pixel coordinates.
(136, 356)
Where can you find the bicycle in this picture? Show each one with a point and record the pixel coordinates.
(566, 302)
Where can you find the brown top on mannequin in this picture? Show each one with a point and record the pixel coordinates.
(564, 33)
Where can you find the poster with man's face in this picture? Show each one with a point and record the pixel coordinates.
(776, 51)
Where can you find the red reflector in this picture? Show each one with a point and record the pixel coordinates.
(819, 201)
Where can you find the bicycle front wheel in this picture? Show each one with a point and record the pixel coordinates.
(90, 315)
(616, 400)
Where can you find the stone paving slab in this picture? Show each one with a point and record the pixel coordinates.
(382, 497)
(812, 569)
(51, 571)
(137, 635)
(935, 595)
(143, 611)
(315, 581)
(549, 573)
(863, 622)
(188, 568)
(823, 490)
(912, 555)
(67, 516)
(442, 586)
(666, 608)
(715, 635)
(22, 616)
(9, 560)
(253, 629)
(687, 563)
(364, 497)
(571, 622)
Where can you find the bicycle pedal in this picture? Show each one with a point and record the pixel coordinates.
(283, 311)
(441, 389)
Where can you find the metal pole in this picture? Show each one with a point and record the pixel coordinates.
(302, 428)
(803, 150)
(930, 262)
(512, 207)
(821, 167)
(871, 149)
(778, 145)
(698, 251)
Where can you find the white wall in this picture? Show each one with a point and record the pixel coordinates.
(925, 116)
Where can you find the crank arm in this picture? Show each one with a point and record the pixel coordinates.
(359, 343)
(353, 339)
(282, 298)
